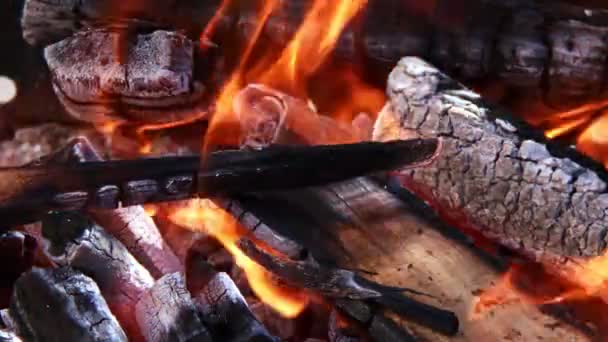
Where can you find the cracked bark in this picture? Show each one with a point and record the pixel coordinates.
(166, 313)
(494, 173)
(76, 241)
(62, 305)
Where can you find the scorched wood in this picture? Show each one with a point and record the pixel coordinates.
(166, 313)
(493, 173)
(358, 225)
(62, 305)
(74, 240)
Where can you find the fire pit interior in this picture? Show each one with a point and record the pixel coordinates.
(303, 170)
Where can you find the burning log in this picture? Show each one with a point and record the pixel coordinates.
(152, 83)
(166, 312)
(222, 305)
(62, 305)
(496, 175)
(42, 188)
(358, 225)
(76, 241)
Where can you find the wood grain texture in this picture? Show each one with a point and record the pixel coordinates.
(359, 225)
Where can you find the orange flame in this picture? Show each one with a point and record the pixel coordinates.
(305, 53)
(202, 215)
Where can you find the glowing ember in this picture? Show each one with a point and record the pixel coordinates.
(8, 90)
(202, 215)
(303, 56)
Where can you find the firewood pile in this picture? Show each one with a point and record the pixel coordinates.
(187, 171)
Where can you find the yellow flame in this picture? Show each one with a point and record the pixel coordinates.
(202, 215)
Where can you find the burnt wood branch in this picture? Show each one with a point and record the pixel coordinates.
(74, 240)
(167, 313)
(30, 191)
(496, 174)
(62, 305)
(222, 305)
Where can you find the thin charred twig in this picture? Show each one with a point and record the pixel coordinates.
(166, 312)
(28, 192)
(494, 173)
(308, 274)
(76, 241)
(62, 305)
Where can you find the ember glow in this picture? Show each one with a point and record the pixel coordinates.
(309, 48)
(203, 216)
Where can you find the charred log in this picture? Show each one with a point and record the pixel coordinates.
(166, 312)
(501, 176)
(76, 241)
(62, 305)
(222, 305)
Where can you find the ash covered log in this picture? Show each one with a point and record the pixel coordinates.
(495, 174)
(222, 305)
(76, 241)
(62, 305)
(152, 83)
(166, 312)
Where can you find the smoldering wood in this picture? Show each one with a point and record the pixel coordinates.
(227, 313)
(74, 240)
(261, 231)
(498, 175)
(62, 305)
(166, 312)
(358, 225)
(131, 225)
(151, 84)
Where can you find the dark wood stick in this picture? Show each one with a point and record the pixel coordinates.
(62, 305)
(28, 192)
(495, 173)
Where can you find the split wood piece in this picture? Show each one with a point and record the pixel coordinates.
(75, 240)
(152, 84)
(62, 305)
(166, 312)
(496, 174)
(130, 225)
(222, 305)
(358, 225)
(261, 231)
(46, 22)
